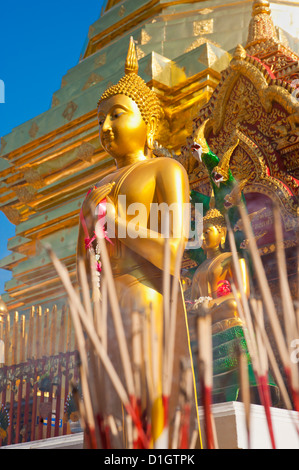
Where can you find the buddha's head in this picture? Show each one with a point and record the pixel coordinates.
(214, 231)
(128, 113)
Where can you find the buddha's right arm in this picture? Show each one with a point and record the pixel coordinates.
(88, 212)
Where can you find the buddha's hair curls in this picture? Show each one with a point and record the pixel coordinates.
(135, 88)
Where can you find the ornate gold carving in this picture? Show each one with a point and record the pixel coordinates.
(140, 53)
(198, 42)
(205, 11)
(63, 83)
(33, 130)
(12, 214)
(240, 52)
(85, 151)
(122, 11)
(100, 60)
(203, 27)
(55, 101)
(33, 177)
(93, 79)
(261, 26)
(3, 144)
(145, 37)
(267, 94)
(69, 111)
(250, 163)
(25, 193)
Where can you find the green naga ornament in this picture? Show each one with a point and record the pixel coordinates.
(221, 177)
(228, 192)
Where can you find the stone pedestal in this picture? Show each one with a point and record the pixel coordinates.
(231, 428)
(71, 441)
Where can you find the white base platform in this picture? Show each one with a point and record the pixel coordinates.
(230, 427)
(71, 441)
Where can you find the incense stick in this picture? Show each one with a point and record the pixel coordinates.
(122, 342)
(287, 302)
(263, 377)
(204, 334)
(90, 422)
(146, 349)
(176, 429)
(166, 280)
(194, 437)
(173, 316)
(245, 391)
(136, 351)
(78, 312)
(243, 309)
(274, 365)
(265, 291)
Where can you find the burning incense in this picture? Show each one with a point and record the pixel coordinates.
(273, 363)
(265, 291)
(80, 315)
(122, 342)
(287, 303)
(204, 334)
(249, 334)
(263, 376)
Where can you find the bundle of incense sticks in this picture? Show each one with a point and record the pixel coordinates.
(205, 369)
(252, 313)
(283, 341)
(145, 423)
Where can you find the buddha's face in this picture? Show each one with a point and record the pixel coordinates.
(211, 237)
(123, 132)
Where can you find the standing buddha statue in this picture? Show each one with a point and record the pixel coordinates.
(128, 116)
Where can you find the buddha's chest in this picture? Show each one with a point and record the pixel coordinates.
(211, 273)
(134, 192)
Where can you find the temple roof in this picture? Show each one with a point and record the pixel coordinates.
(109, 4)
(266, 49)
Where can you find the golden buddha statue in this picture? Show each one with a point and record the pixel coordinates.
(211, 283)
(212, 278)
(128, 116)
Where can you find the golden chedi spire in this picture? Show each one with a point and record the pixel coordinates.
(131, 65)
(261, 27)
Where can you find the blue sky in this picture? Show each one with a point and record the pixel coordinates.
(39, 42)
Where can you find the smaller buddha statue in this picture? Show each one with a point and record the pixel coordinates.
(212, 283)
(212, 278)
